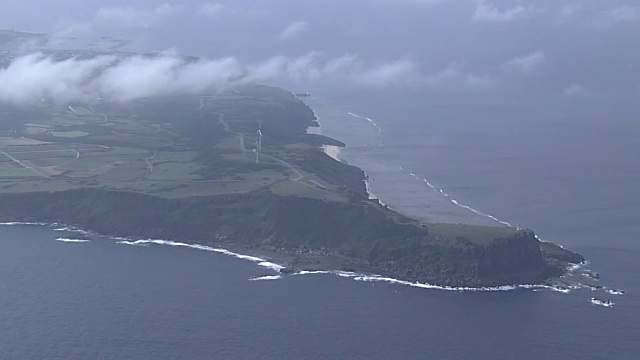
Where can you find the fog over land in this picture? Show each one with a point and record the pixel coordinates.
(35, 76)
(477, 50)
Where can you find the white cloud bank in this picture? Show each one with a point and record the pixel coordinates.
(488, 13)
(212, 9)
(527, 63)
(293, 31)
(134, 17)
(618, 15)
(34, 77)
(576, 91)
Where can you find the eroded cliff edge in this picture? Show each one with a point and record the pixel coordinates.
(187, 168)
(362, 237)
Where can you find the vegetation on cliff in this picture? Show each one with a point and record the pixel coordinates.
(237, 168)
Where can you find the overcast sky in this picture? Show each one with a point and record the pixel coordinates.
(567, 50)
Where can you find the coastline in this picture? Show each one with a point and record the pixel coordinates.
(288, 228)
(394, 185)
(335, 152)
(332, 151)
(306, 263)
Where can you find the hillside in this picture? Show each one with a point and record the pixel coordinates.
(237, 168)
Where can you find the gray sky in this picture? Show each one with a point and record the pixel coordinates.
(569, 51)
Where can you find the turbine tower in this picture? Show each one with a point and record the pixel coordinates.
(258, 143)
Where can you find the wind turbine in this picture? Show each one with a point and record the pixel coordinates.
(259, 143)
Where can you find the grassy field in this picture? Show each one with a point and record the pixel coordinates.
(474, 233)
(173, 146)
(17, 173)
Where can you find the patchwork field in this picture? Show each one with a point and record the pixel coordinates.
(174, 146)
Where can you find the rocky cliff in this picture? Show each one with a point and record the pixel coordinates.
(356, 236)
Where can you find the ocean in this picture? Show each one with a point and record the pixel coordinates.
(69, 294)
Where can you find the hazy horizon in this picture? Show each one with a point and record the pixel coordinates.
(525, 52)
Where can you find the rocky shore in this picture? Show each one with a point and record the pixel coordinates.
(302, 234)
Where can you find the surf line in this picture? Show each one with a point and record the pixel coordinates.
(454, 201)
(254, 259)
(373, 123)
(70, 240)
(429, 184)
(377, 278)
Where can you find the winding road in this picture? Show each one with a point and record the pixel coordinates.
(24, 165)
(299, 177)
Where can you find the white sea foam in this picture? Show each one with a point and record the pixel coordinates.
(378, 278)
(573, 267)
(454, 201)
(588, 286)
(615, 292)
(560, 289)
(62, 229)
(134, 243)
(314, 129)
(266, 277)
(72, 240)
(440, 191)
(373, 123)
(371, 195)
(607, 303)
(316, 272)
(259, 261)
(270, 265)
(20, 223)
(72, 229)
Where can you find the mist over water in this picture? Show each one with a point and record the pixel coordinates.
(527, 113)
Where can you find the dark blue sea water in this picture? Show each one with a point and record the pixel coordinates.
(574, 185)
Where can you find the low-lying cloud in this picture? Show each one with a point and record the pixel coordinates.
(129, 16)
(576, 91)
(488, 13)
(212, 9)
(618, 15)
(36, 76)
(527, 63)
(293, 31)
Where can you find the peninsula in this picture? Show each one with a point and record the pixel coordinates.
(238, 169)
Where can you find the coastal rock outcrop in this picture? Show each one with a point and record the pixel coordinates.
(361, 236)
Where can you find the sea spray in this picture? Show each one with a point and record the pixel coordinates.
(18, 223)
(373, 123)
(378, 278)
(454, 201)
(266, 277)
(68, 240)
(259, 261)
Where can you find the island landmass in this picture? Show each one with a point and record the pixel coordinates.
(238, 169)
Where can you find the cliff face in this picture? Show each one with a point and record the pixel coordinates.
(362, 236)
(513, 260)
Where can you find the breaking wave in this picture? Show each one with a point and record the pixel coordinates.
(454, 201)
(254, 259)
(616, 292)
(426, 181)
(573, 267)
(371, 195)
(266, 277)
(72, 240)
(14, 223)
(72, 229)
(378, 278)
(373, 123)
(605, 303)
